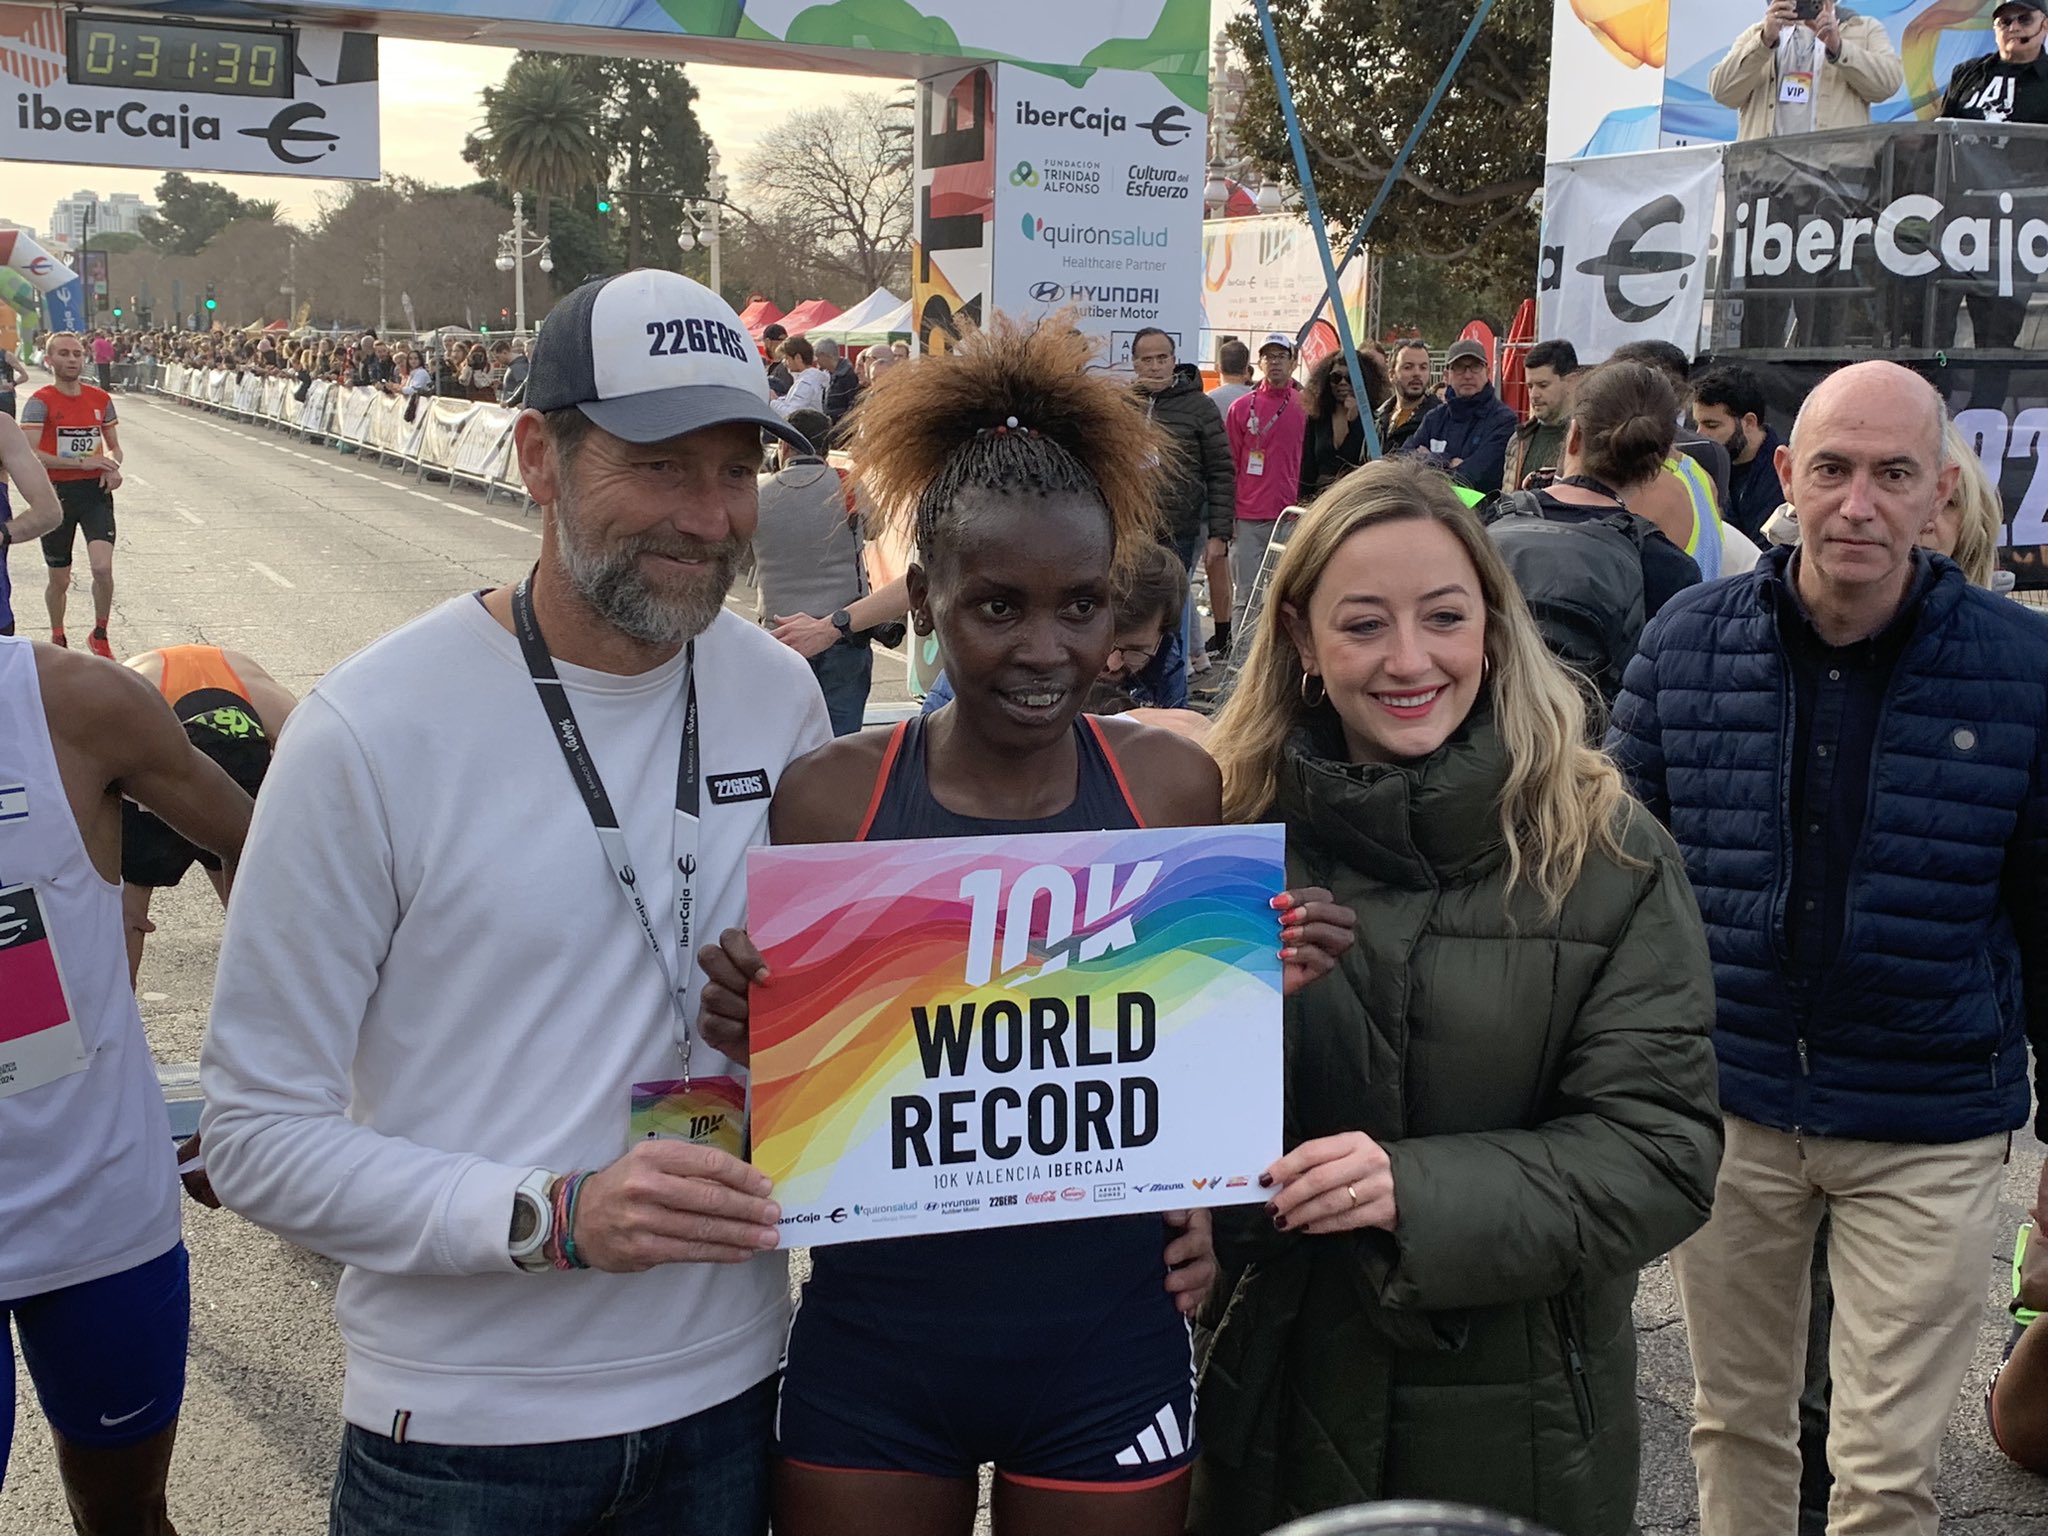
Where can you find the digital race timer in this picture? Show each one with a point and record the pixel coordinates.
(201, 58)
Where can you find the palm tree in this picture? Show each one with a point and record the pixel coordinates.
(264, 210)
(539, 132)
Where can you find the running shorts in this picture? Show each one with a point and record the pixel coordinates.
(1053, 1352)
(88, 508)
(152, 854)
(107, 1357)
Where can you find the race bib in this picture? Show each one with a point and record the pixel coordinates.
(39, 1037)
(1255, 463)
(77, 442)
(711, 1111)
(1796, 88)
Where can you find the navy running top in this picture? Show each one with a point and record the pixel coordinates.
(904, 807)
(996, 1271)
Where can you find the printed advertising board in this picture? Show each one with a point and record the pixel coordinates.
(187, 95)
(1631, 75)
(1263, 274)
(981, 1032)
(1099, 205)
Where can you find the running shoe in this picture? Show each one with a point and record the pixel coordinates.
(99, 645)
(1218, 644)
(57, 639)
(2024, 1316)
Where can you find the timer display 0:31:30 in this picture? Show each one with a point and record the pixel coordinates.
(170, 56)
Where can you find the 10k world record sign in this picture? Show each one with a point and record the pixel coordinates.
(987, 1031)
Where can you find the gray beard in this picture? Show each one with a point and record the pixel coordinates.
(608, 579)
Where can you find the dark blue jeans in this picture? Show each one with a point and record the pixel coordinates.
(706, 1475)
(845, 672)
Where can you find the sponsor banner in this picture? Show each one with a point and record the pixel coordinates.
(978, 1032)
(951, 254)
(1913, 239)
(2002, 411)
(20, 254)
(311, 115)
(1626, 240)
(1099, 205)
(1167, 38)
(1263, 274)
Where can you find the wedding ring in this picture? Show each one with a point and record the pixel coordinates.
(1352, 1193)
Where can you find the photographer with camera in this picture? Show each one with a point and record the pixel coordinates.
(1807, 67)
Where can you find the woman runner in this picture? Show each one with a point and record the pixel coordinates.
(1057, 1352)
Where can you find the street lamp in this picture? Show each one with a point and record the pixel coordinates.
(514, 247)
(702, 216)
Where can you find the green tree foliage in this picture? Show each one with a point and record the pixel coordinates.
(541, 131)
(1362, 71)
(190, 213)
(655, 152)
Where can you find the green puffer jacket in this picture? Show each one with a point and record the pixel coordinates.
(1545, 1091)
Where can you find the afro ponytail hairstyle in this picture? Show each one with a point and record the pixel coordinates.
(1012, 409)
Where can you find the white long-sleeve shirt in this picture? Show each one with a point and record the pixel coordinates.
(431, 985)
(807, 392)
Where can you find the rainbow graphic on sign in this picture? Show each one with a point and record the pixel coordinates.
(949, 1023)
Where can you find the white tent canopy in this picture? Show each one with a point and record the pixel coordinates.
(875, 318)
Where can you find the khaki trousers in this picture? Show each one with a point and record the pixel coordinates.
(1914, 1234)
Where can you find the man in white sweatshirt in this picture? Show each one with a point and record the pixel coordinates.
(454, 1038)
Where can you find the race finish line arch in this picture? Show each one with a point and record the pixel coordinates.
(1060, 150)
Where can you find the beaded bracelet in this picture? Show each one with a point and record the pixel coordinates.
(558, 1204)
(576, 1260)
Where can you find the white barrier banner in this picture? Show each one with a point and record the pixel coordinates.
(1626, 242)
(482, 452)
(440, 424)
(352, 414)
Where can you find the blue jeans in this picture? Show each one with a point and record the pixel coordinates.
(706, 1475)
(845, 671)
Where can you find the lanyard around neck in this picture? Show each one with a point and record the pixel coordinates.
(554, 699)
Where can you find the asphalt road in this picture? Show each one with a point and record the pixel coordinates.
(235, 536)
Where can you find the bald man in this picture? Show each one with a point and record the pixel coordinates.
(1850, 746)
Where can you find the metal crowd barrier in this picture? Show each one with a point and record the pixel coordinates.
(463, 441)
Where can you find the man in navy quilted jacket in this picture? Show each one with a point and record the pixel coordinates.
(1850, 744)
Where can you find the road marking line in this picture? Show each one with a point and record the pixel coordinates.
(133, 479)
(515, 527)
(263, 570)
(190, 518)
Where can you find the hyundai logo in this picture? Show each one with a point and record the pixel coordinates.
(1047, 293)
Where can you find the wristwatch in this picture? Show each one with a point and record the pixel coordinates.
(533, 1222)
(843, 622)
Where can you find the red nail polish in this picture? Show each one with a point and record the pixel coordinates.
(1279, 1223)
(1289, 953)
(1265, 1181)
(1283, 901)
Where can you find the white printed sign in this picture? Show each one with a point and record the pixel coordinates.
(1098, 207)
(316, 114)
(1626, 244)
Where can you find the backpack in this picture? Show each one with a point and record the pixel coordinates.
(1583, 582)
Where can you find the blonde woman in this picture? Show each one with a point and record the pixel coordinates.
(1502, 1103)
(1967, 527)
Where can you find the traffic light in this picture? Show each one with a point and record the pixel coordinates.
(604, 202)
(482, 330)
(211, 303)
(117, 311)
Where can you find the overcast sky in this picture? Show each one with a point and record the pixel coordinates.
(429, 103)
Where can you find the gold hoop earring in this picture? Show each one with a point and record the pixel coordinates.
(1322, 693)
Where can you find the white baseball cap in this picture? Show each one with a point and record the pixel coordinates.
(649, 355)
(1277, 339)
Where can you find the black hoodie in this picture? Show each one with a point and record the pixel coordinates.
(1198, 495)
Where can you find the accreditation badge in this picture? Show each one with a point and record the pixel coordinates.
(39, 1035)
(711, 1111)
(1795, 88)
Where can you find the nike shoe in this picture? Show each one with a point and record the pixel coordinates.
(99, 645)
(2024, 1316)
(57, 639)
